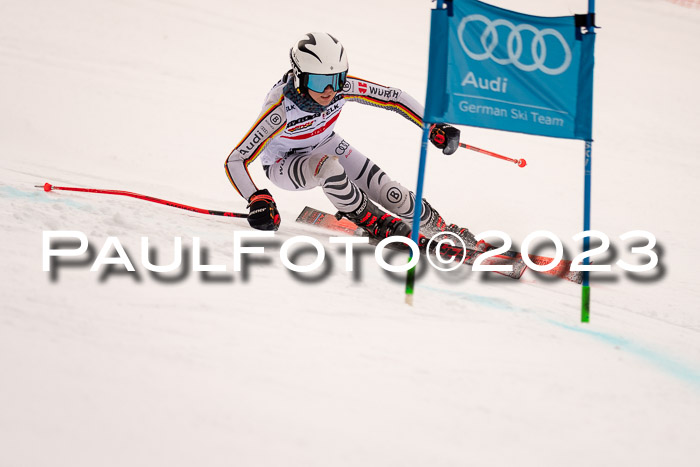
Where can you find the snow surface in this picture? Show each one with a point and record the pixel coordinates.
(264, 368)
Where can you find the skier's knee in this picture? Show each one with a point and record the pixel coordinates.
(396, 198)
(322, 167)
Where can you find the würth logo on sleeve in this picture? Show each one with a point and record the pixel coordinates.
(362, 87)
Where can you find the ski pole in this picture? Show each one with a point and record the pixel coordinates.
(519, 162)
(48, 187)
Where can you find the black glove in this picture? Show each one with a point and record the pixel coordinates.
(263, 214)
(444, 137)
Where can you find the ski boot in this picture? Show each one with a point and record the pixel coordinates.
(377, 223)
(435, 224)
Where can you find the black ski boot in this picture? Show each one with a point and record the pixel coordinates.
(377, 223)
(435, 224)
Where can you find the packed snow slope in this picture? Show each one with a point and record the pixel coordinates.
(263, 367)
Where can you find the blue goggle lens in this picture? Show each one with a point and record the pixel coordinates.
(319, 83)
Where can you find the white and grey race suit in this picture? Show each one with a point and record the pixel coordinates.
(294, 138)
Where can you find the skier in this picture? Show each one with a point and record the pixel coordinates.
(299, 150)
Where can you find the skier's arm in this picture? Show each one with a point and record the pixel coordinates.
(270, 123)
(443, 136)
(377, 95)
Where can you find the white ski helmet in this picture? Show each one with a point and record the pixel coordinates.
(319, 60)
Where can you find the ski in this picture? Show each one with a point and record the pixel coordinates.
(467, 256)
(562, 270)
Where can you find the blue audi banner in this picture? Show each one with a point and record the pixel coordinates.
(494, 68)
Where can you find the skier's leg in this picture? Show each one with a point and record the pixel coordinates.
(371, 179)
(389, 193)
(303, 172)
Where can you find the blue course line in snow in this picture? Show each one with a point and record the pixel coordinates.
(666, 363)
(38, 196)
(660, 360)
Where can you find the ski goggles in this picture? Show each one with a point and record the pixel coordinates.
(319, 83)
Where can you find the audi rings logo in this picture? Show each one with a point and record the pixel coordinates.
(489, 42)
(342, 147)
